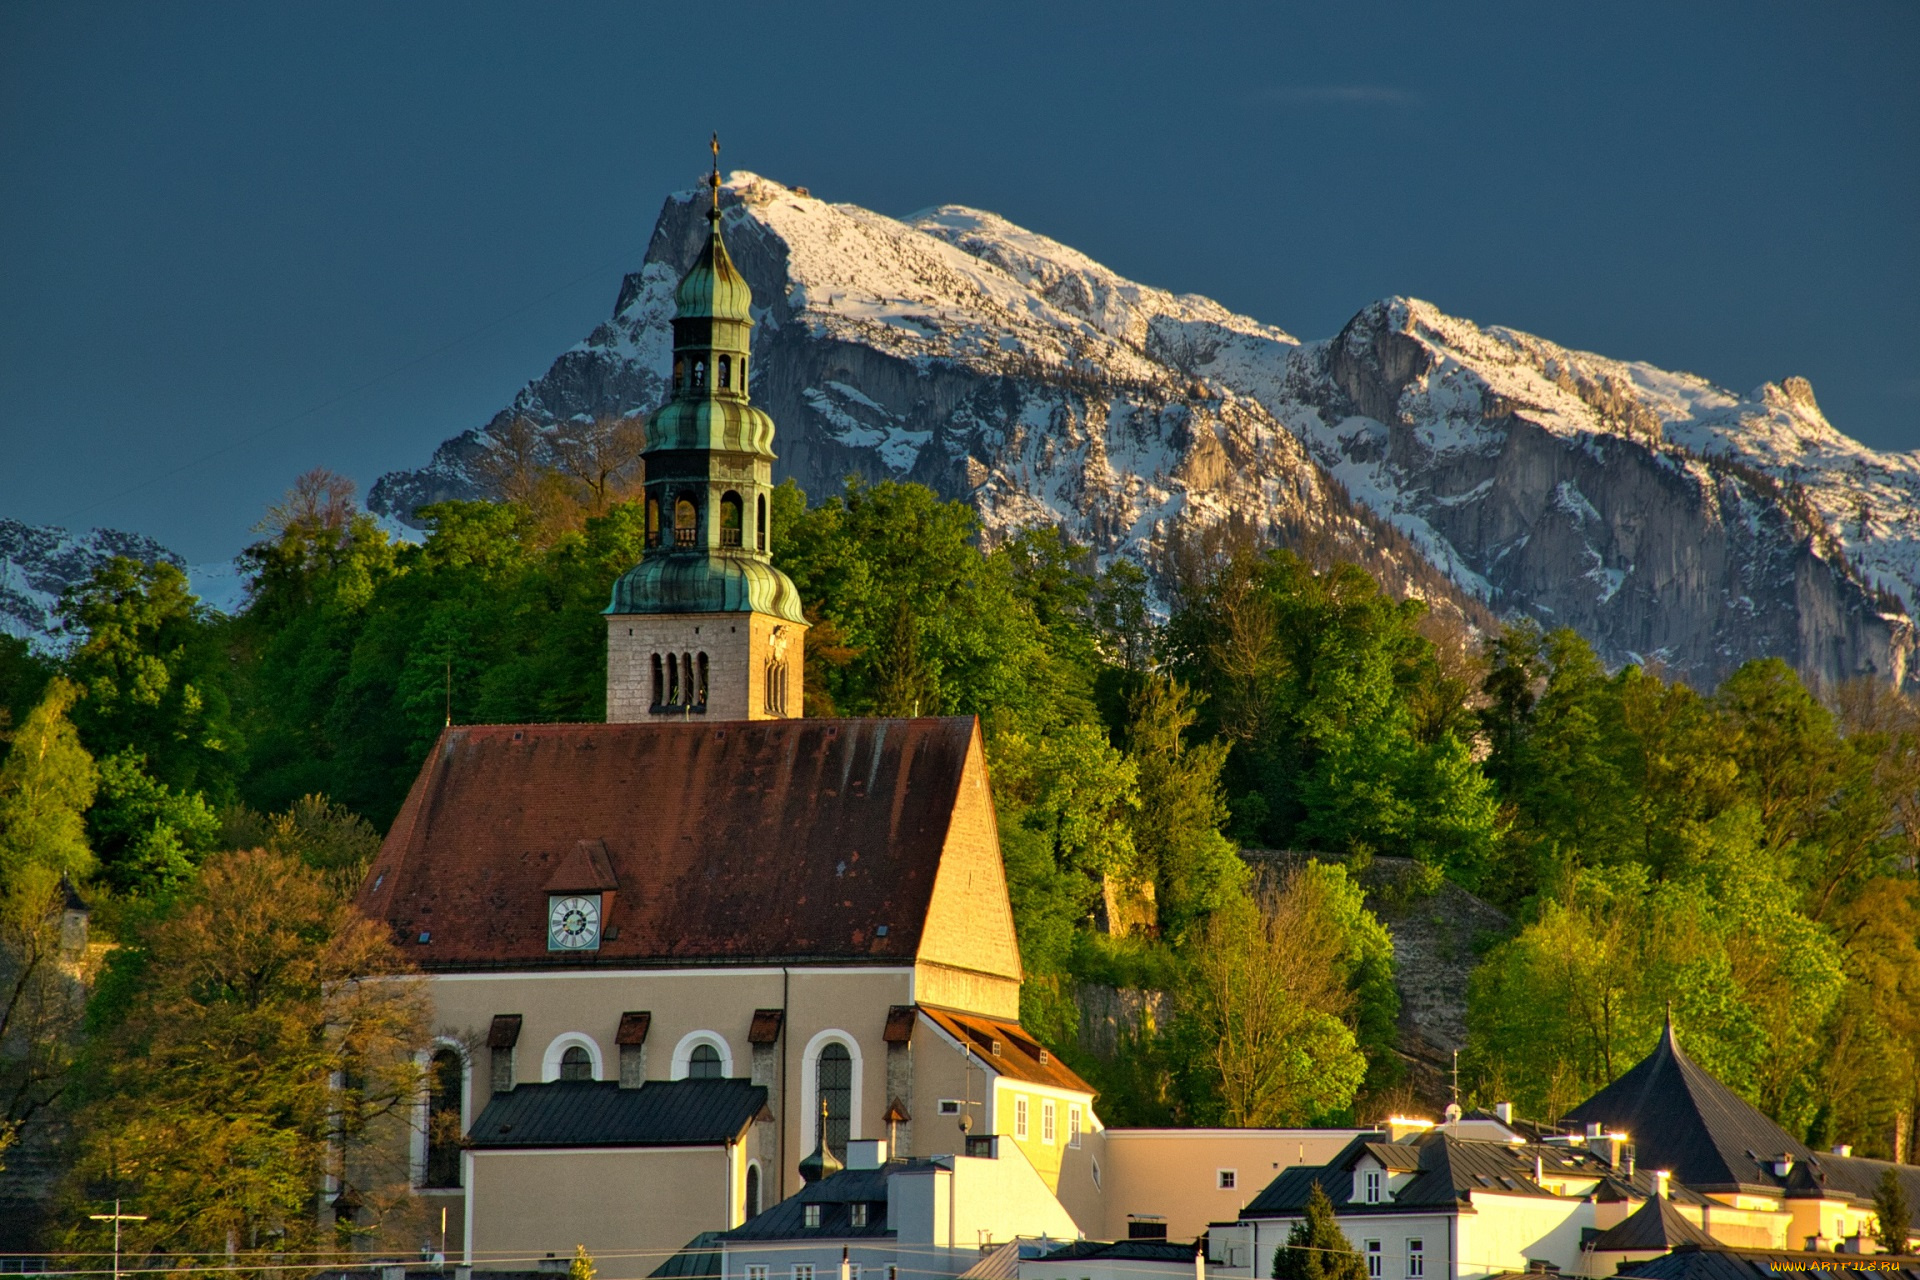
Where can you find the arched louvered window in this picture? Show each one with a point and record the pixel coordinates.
(673, 681)
(659, 683)
(836, 1096)
(700, 681)
(760, 526)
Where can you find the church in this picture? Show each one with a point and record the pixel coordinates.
(671, 954)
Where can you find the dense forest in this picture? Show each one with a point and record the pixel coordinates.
(1742, 858)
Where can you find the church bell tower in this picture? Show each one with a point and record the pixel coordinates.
(705, 625)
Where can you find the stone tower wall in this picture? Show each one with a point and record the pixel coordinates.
(738, 648)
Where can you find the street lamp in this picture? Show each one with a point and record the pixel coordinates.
(117, 1217)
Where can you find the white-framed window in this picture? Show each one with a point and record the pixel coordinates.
(1226, 1179)
(949, 1106)
(702, 1055)
(810, 1215)
(1020, 1118)
(853, 1271)
(756, 1271)
(1073, 1126)
(1370, 1182)
(1416, 1259)
(857, 1213)
(1046, 1121)
(803, 1271)
(830, 1071)
(1376, 1260)
(893, 1271)
(572, 1055)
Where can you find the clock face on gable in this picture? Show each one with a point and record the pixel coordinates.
(573, 922)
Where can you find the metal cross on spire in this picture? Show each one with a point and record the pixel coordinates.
(713, 180)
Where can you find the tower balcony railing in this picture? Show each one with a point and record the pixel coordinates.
(686, 536)
(729, 537)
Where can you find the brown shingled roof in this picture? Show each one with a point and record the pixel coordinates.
(1020, 1056)
(733, 842)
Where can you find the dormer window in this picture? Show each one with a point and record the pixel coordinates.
(810, 1215)
(857, 1213)
(575, 1064)
(1372, 1186)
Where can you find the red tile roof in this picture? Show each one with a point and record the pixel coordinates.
(1018, 1056)
(736, 842)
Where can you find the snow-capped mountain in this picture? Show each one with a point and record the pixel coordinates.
(1490, 471)
(39, 562)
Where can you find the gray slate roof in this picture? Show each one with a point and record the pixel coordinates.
(1124, 1251)
(1682, 1119)
(1691, 1262)
(697, 1259)
(599, 1113)
(1450, 1170)
(835, 1194)
(1654, 1225)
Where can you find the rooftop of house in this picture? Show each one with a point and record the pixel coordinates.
(599, 1113)
(1446, 1170)
(1701, 1262)
(698, 1259)
(833, 1197)
(1006, 1047)
(1657, 1225)
(1123, 1251)
(743, 841)
(1711, 1139)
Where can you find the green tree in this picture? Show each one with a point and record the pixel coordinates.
(1314, 678)
(1176, 830)
(1316, 1248)
(149, 668)
(149, 837)
(1892, 1217)
(1263, 1015)
(211, 1098)
(23, 682)
(46, 786)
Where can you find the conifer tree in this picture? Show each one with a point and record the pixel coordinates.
(46, 787)
(1316, 1248)
(1893, 1217)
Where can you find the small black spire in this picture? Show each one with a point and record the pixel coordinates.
(822, 1163)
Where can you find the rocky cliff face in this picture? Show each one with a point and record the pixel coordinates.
(39, 562)
(1489, 471)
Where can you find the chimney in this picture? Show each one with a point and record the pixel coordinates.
(1504, 1110)
(1539, 1168)
(1663, 1184)
(866, 1153)
(1594, 1129)
(1616, 1144)
(1843, 1148)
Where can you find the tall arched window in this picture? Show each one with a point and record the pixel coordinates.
(730, 519)
(760, 526)
(686, 679)
(686, 522)
(699, 375)
(659, 684)
(775, 694)
(653, 522)
(679, 373)
(700, 682)
(836, 1096)
(753, 1190)
(673, 682)
(576, 1064)
(726, 373)
(703, 1063)
(446, 1099)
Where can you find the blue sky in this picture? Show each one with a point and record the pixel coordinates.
(260, 238)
